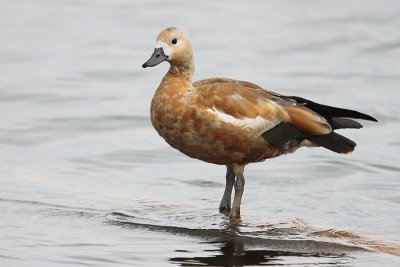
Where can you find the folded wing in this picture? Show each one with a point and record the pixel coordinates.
(247, 105)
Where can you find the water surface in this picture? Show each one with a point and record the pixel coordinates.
(85, 179)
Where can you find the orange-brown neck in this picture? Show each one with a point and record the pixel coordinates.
(182, 63)
(174, 84)
(182, 70)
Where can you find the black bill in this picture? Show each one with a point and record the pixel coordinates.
(156, 58)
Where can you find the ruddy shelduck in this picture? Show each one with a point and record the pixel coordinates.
(234, 123)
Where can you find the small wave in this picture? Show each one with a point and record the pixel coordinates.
(50, 205)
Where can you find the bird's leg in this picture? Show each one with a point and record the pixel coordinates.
(225, 205)
(239, 187)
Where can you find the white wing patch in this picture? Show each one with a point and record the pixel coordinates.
(258, 124)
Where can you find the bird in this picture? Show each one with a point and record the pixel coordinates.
(233, 123)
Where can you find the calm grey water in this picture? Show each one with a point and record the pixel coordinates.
(85, 180)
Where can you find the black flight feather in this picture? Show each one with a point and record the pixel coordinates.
(331, 112)
(343, 123)
(282, 133)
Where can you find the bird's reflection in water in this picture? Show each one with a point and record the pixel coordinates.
(233, 248)
(234, 254)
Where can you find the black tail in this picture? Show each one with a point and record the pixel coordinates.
(334, 142)
(338, 118)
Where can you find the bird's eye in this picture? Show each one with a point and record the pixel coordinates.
(174, 41)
